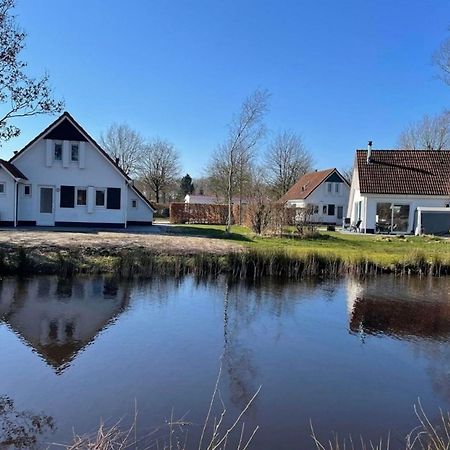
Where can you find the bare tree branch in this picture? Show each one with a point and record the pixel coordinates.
(20, 95)
(286, 161)
(124, 144)
(234, 156)
(159, 167)
(441, 59)
(430, 133)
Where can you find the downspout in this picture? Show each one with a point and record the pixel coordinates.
(16, 201)
(365, 215)
(127, 186)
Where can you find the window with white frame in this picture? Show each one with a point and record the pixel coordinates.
(100, 197)
(324, 209)
(81, 196)
(315, 209)
(134, 203)
(329, 187)
(74, 152)
(2, 188)
(57, 153)
(27, 190)
(337, 187)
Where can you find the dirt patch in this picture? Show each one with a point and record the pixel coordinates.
(158, 242)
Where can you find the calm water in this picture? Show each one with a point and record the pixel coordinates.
(351, 356)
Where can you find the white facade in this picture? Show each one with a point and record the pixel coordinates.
(70, 182)
(400, 210)
(329, 201)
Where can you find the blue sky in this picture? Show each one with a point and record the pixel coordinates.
(340, 72)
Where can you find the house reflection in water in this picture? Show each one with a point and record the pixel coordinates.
(408, 308)
(58, 318)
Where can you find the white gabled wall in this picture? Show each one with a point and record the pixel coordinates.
(92, 171)
(140, 213)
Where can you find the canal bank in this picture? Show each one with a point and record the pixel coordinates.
(206, 250)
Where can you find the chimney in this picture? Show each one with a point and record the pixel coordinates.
(369, 152)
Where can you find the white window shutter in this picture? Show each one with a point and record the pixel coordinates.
(66, 153)
(82, 155)
(48, 152)
(90, 199)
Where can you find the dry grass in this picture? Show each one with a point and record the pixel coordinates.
(158, 242)
(426, 436)
(214, 436)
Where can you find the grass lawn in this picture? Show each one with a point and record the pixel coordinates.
(382, 250)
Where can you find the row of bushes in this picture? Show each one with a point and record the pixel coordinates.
(261, 216)
(197, 213)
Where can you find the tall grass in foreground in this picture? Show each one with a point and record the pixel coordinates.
(426, 436)
(258, 264)
(214, 434)
(247, 264)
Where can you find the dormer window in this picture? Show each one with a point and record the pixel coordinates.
(58, 151)
(75, 154)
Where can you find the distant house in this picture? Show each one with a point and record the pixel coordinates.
(209, 200)
(64, 178)
(201, 199)
(325, 191)
(401, 191)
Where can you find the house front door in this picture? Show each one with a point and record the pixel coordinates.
(46, 212)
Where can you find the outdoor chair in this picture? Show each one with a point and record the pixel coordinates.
(355, 226)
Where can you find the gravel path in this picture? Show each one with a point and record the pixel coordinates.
(157, 238)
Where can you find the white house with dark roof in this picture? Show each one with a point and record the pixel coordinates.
(401, 191)
(64, 178)
(326, 191)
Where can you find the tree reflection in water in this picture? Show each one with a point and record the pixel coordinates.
(21, 429)
(237, 359)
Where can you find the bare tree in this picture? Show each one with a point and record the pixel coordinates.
(430, 133)
(20, 94)
(347, 173)
(286, 161)
(245, 132)
(441, 59)
(259, 209)
(159, 167)
(125, 145)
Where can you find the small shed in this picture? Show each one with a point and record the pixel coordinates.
(433, 220)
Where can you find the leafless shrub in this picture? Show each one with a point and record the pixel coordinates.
(305, 226)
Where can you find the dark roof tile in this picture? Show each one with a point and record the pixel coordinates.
(307, 184)
(404, 172)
